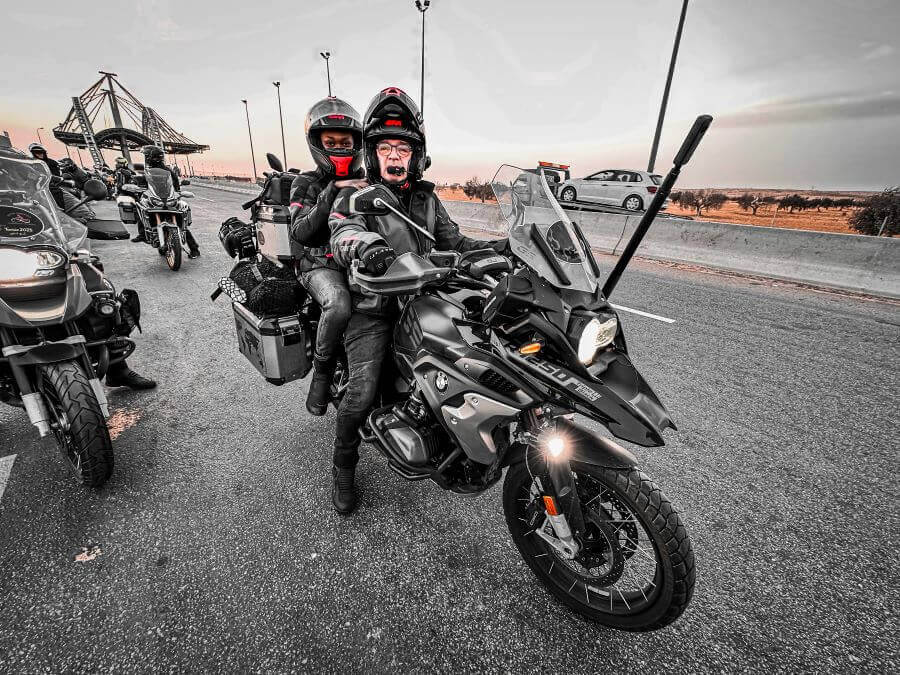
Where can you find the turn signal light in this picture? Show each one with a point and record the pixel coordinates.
(530, 348)
(550, 506)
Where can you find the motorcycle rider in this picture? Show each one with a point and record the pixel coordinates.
(153, 159)
(334, 136)
(123, 173)
(395, 155)
(38, 151)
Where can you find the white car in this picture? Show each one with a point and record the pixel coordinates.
(627, 188)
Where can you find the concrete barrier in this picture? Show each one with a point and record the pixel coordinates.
(845, 261)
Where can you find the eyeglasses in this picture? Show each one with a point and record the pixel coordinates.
(384, 149)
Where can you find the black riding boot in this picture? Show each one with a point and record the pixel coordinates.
(319, 387)
(140, 235)
(343, 492)
(193, 247)
(120, 375)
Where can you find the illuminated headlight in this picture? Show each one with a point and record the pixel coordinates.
(19, 265)
(595, 336)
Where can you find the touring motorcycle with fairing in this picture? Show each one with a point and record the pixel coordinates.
(162, 211)
(493, 358)
(61, 321)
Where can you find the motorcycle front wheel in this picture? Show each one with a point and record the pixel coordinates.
(635, 566)
(77, 422)
(173, 250)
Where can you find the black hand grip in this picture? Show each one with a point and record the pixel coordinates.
(692, 140)
(247, 205)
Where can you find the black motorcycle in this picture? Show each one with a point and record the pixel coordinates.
(58, 319)
(163, 213)
(495, 355)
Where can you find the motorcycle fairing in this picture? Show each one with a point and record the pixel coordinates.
(631, 410)
(70, 304)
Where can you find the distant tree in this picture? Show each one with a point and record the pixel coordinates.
(869, 218)
(793, 203)
(826, 203)
(702, 199)
(845, 203)
(675, 197)
(749, 202)
(470, 189)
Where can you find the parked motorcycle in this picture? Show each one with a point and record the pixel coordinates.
(162, 212)
(58, 316)
(494, 356)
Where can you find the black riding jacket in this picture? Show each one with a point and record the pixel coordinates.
(312, 194)
(353, 234)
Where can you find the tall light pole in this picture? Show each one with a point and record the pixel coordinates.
(665, 98)
(422, 6)
(40, 140)
(326, 56)
(283, 149)
(250, 134)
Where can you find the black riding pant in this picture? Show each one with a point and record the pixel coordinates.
(328, 287)
(367, 340)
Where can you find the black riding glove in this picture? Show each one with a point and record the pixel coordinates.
(377, 259)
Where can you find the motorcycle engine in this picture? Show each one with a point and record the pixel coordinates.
(413, 435)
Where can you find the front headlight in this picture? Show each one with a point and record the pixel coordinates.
(20, 265)
(595, 336)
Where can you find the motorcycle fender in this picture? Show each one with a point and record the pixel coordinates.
(52, 352)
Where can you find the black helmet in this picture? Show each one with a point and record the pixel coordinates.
(36, 146)
(153, 153)
(334, 114)
(393, 114)
(66, 164)
(121, 162)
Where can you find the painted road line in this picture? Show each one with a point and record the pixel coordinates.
(5, 469)
(640, 313)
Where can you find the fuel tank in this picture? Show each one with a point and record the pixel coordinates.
(427, 322)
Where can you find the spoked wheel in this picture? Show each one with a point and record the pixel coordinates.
(173, 250)
(77, 423)
(635, 567)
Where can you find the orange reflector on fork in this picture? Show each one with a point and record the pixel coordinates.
(550, 505)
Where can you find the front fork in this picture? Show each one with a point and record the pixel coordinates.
(556, 486)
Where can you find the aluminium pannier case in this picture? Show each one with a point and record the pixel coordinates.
(277, 347)
(127, 210)
(273, 236)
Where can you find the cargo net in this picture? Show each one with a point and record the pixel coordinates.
(262, 287)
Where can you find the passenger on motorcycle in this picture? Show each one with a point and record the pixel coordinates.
(153, 159)
(395, 155)
(123, 173)
(334, 135)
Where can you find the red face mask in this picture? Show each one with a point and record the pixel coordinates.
(341, 165)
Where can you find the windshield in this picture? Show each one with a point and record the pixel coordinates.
(28, 213)
(159, 182)
(540, 233)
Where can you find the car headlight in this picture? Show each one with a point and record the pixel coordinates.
(595, 336)
(20, 265)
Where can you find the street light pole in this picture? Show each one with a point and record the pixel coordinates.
(250, 134)
(422, 6)
(283, 149)
(40, 140)
(665, 98)
(326, 56)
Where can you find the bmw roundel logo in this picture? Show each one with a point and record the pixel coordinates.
(441, 381)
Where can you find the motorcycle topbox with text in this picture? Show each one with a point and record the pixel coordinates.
(59, 318)
(493, 357)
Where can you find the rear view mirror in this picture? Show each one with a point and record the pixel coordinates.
(187, 195)
(94, 189)
(374, 200)
(274, 162)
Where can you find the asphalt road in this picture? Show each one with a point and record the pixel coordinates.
(214, 546)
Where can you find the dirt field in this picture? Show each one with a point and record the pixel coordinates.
(826, 220)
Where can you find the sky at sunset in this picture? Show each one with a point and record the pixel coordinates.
(804, 93)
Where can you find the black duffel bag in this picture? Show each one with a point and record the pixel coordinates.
(264, 288)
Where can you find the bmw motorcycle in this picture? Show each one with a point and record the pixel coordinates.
(163, 214)
(58, 319)
(494, 356)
